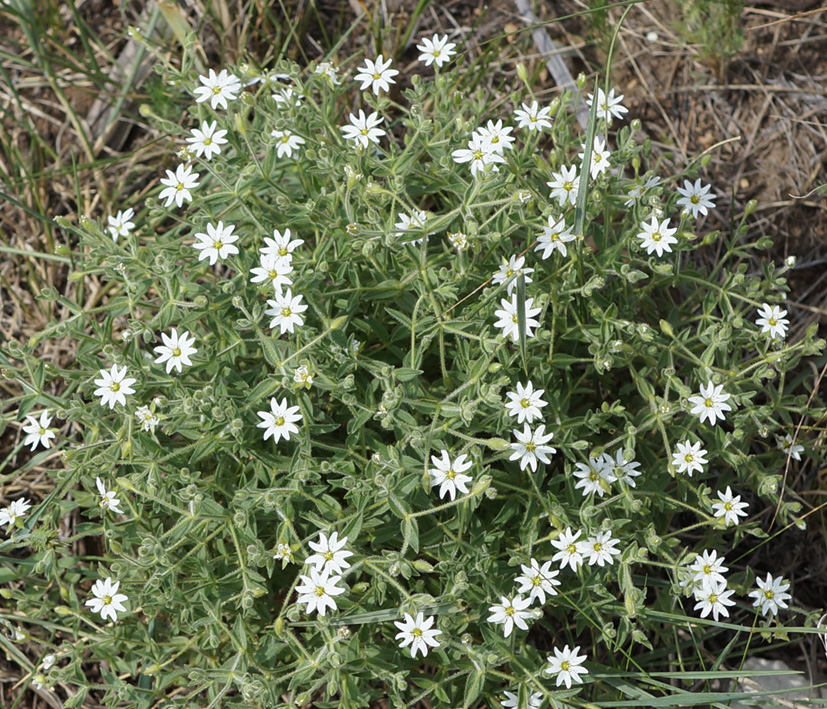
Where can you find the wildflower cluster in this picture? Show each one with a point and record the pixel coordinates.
(383, 385)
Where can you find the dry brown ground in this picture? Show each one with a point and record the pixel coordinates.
(765, 110)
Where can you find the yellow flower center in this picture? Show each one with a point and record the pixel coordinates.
(537, 581)
(218, 245)
(42, 431)
(179, 186)
(565, 666)
(707, 569)
(509, 611)
(320, 590)
(571, 548)
(328, 555)
(107, 600)
(530, 447)
(728, 506)
(555, 236)
(656, 236)
(568, 186)
(694, 199)
(689, 457)
(207, 141)
(769, 595)
(525, 403)
(283, 251)
(376, 77)
(280, 421)
(176, 352)
(450, 475)
(598, 546)
(478, 155)
(216, 90)
(114, 386)
(713, 598)
(286, 312)
(285, 139)
(708, 403)
(772, 322)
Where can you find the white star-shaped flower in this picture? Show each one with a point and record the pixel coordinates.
(437, 50)
(176, 350)
(218, 88)
(570, 550)
(363, 129)
(16, 510)
(378, 75)
(147, 418)
(510, 270)
(107, 601)
(497, 136)
(525, 403)
(449, 475)
(274, 269)
(773, 321)
(537, 580)
(689, 458)
(418, 633)
(531, 447)
(555, 236)
(591, 474)
(657, 237)
(178, 185)
(38, 432)
(508, 320)
(567, 665)
(479, 153)
(317, 589)
(108, 499)
(565, 186)
(121, 224)
(794, 450)
(708, 569)
(286, 311)
(730, 507)
(286, 142)
(711, 403)
(533, 117)
(600, 548)
(281, 245)
(770, 595)
(217, 243)
(695, 199)
(608, 107)
(330, 553)
(512, 700)
(114, 386)
(206, 140)
(510, 612)
(713, 598)
(279, 421)
(600, 158)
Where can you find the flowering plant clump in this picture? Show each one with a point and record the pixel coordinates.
(451, 410)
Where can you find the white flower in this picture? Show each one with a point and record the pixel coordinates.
(317, 590)
(511, 612)
(330, 553)
(121, 224)
(417, 220)
(108, 499)
(496, 136)
(329, 72)
(600, 157)
(362, 129)
(479, 153)
(713, 598)
(608, 107)
(17, 509)
(286, 142)
(458, 240)
(600, 548)
(531, 447)
(38, 432)
(565, 186)
(510, 270)
(286, 311)
(274, 269)
(533, 117)
(176, 350)
(696, 199)
(689, 457)
(657, 237)
(303, 376)
(570, 553)
(147, 418)
(708, 569)
(711, 403)
(281, 245)
(512, 700)
(218, 89)
(48, 661)
(178, 185)
(590, 474)
(280, 421)
(378, 75)
(107, 601)
(567, 665)
(639, 189)
(730, 507)
(287, 97)
(436, 50)
(217, 243)
(417, 633)
(785, 444)
(773, 321)
(207, 140)
(508, 320)
(114, 386)
(555, 236)
(619, 469)
(525, 403)
(770, 595)
(449, 476)
(537, 580)
(283, 553)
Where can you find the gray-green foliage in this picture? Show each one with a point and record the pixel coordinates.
(406, 362)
